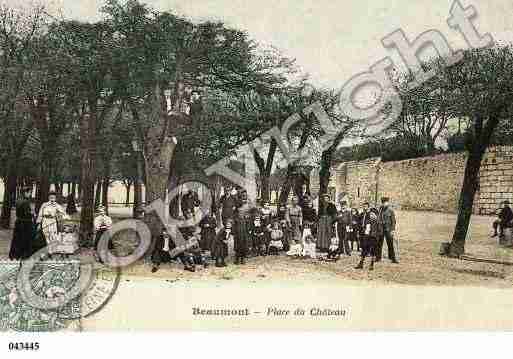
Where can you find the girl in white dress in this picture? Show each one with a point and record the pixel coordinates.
(49, 214)
(309, 247)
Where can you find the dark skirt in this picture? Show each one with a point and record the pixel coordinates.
(219, 249)
(208, 236)
(368, 245)
(22, 245)
(325, 232)
(241, 237)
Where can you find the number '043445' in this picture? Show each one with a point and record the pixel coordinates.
(24, 346)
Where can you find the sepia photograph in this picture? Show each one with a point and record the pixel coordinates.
(255, 165)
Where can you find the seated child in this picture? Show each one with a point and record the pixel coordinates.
(296, 249)
(276, 243)
(333, 249)
(193, 250)
(309, 247)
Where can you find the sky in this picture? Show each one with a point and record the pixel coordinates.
(330, 40)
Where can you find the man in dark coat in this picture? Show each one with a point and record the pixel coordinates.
(229, 204)
(369, 234)
(387, 224)
(344, 226)
(505, 216)
(22, 245)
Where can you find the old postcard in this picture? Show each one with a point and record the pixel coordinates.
(243, 165)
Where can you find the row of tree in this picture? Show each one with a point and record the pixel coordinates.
(80, 97)
(86, 103)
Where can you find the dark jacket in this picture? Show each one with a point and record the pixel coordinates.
(373, 221)
(387, 219)
(327, 209)
(506, 215)
(309, 215)
(220, 245)
(345, 218)
(229, 205)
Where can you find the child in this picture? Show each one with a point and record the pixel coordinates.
(286, 235)
(257, 233)
(193, 250)
(354, 229)
(296, 249)
(276, 243)
(220, 246)
(333, 252)
(309, 247)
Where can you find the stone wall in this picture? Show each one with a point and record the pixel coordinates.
(428, 183)
(496, 179)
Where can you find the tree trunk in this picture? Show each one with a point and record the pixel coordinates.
(88, 174)
(466, 202)
(324, 171)
(157, 175)
(105, 185)
(98, 194)
(128, 186)
(471, 183)
(105, 193)
(265, 189)
(137, 195)
(287, 186)
(9, 197)
(44, 180)
(74, 190)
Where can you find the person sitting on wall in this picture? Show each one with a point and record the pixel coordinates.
(505, 217)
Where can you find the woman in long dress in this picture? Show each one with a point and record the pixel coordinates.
(294, 216)
(22, 246)
(327, 213)
(48, 219)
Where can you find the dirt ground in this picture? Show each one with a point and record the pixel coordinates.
(419, 235)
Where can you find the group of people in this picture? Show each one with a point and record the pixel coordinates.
(297, 229)
(31, 233)
(251, 229)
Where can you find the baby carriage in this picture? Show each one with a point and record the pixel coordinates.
(61, 237)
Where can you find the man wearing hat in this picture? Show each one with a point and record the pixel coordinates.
(505, 216)
(24, 231)
(369, 233)
(229, 204)
(387, 224)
